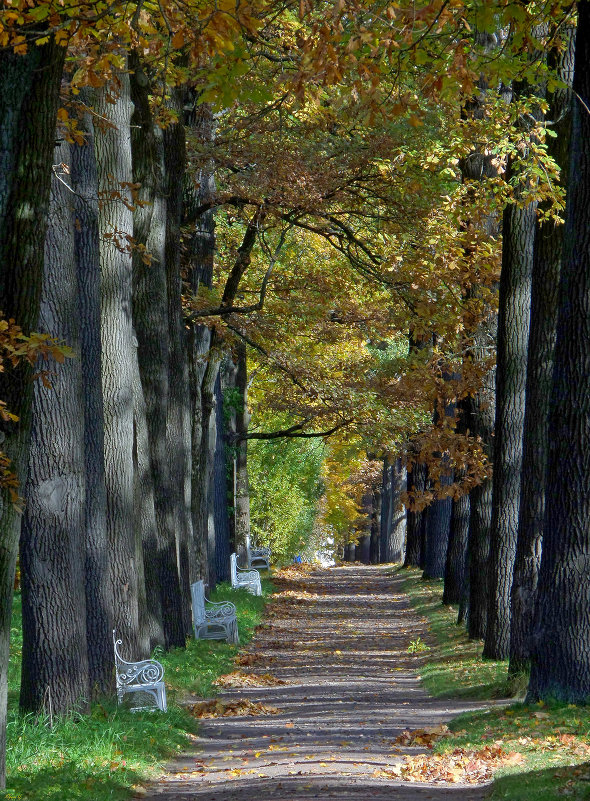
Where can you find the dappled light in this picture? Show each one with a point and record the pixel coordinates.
(338, 724)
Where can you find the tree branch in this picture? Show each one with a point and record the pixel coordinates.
(293, 431)
(223, 310)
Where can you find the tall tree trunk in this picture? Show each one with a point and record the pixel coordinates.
(113, 157)
(477, 167)
(457, 550)
(480, 415)
(363, 549)
(385, 522)
(242, 487)
(202, 375)
(205, 517)
(397, 536)
(416, 482)
(99, 599)
(55, 661)
(150, 616)
(458, 535)
(513, 329)
(561, 640)
(199, 342)
(541, 346)
(438, 526)
(29, 87)
(150, 319)
(219, 498)
(178, 420)
(375, 527)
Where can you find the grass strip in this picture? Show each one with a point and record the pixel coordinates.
(111, 752)
(553, 738)
(452, 666)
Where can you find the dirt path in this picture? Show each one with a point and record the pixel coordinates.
(339, 638)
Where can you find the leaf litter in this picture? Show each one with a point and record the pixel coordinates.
(463, 765)
(240, 679)
(217, 708)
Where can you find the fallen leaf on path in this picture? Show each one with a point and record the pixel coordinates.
(240, 679)
(427, 736)
(460, 766)
(217, 708)
(247, 659)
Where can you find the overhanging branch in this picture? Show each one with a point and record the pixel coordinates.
(294, 431)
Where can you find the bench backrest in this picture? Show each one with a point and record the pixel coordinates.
(263, 551)
(198, 597)
(233, 568)
(147, 671)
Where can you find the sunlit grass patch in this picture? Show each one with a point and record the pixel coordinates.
(194, 669)
(111, 752)
(453, 666)
(553, 739)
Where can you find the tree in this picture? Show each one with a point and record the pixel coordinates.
(114, 167)
(52, 549)
(99, 600)
(561, 636)
(518, 227)
(393, 512)
(150, 306)
(540, 365)
(29, 88)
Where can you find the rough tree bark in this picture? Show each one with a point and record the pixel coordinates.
(178, 420)
(397, 535)
(393, 512)
(375, 527)
(218, 495)
(99, 600)
(458, 535)
(113, 158)
(242, 487)
(55, 662)
(416, 520)
(518, 230)
(541, 346)
(385, 521)
(456, 553)
(151, 631)
(29, 86)
(438, 526)
(149, 315)
(561, 636)
(481, 424)
(479, 408)
(202, 248)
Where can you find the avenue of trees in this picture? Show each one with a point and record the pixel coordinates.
(285, 271)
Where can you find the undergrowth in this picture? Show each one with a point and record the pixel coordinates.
(552, 738)
(111, 752)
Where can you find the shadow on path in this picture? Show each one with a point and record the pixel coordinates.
(339, 638)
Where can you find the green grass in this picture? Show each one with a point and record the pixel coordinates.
(192, 670)
(553, 738)
(105, 754)
(453, 667)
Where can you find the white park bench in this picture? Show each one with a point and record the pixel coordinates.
(260, 558)
(145, 677)
(249, 579)
(213, 620)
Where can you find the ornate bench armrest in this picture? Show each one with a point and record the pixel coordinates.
(148, 671)
(248, 574)
(220, 609)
